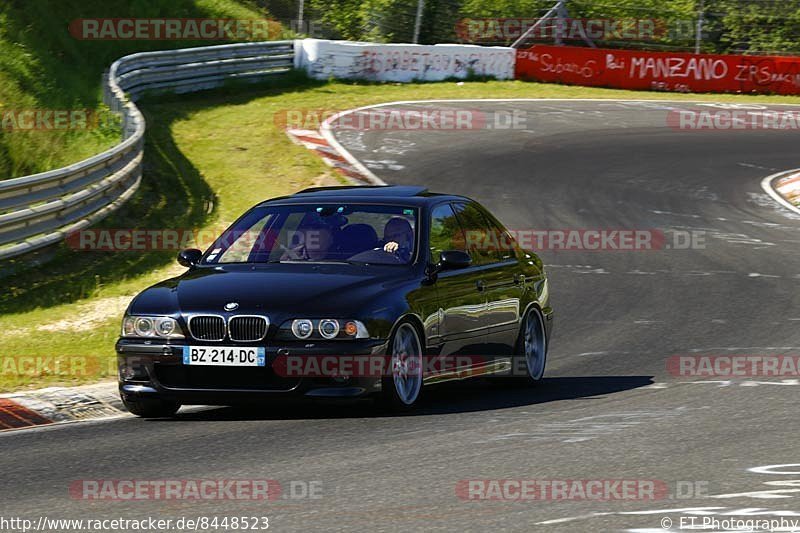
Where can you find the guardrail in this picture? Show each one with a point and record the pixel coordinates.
(42, 209)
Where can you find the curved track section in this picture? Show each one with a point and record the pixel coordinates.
(608, 409)
(595, 165)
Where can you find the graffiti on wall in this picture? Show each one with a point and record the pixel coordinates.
(666, 71)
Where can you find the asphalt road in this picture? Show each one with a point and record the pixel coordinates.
(608, 410)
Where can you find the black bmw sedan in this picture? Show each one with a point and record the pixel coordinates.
(339, 292)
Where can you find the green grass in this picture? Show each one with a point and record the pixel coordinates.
(208, 157)
(42, 66)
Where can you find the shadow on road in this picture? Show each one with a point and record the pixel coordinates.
(459, 397)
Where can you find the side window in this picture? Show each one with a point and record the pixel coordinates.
(481, 241)
(446, 233)
(505, 243)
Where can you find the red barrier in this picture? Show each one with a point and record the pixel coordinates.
(664, 71)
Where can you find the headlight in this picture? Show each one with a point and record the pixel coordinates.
(143, 326)
(162, 327)
(165, 328)
(302, 329)
(324, 328)
(328, 328)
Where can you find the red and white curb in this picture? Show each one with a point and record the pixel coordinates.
(55, 405)
(789, 188)
(316, 142)
(784, 188)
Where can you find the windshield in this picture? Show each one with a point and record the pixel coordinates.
(322, 233)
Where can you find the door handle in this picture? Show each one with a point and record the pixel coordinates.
(519, 279)
(480, 285)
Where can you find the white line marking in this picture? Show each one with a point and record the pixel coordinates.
(742, 348)
(759, 167)
(571, 518)
(757, 275)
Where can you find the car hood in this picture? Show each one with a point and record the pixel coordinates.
(285, 290)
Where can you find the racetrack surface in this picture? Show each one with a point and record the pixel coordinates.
(608, 409)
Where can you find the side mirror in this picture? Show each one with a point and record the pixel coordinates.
(454, 260)
(189, 257)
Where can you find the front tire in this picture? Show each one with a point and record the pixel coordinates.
(151, 407)
(402, 388)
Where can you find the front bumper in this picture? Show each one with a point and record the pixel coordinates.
(155, 368)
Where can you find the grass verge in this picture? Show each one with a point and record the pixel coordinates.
(44, 66)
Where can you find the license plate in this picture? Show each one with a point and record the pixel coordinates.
(223, 356)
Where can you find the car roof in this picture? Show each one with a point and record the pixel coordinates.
(405, 194)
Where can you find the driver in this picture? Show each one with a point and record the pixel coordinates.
(317, 241)
(399, 238)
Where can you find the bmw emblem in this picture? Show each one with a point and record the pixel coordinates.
(231, 306)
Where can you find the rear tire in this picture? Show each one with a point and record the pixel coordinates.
(532, 348)
(402, 389)
(152, 407)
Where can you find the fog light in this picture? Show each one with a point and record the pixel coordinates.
(126, 373)
(132, 371)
